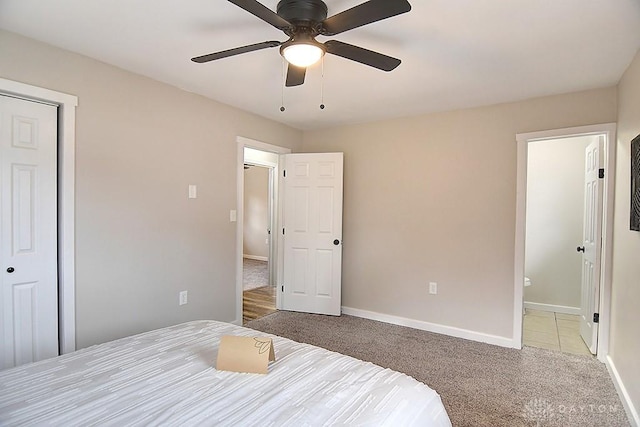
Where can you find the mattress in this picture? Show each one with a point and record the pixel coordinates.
(168, 377)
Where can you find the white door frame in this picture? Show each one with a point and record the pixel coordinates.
(66, 201)
(243, 142)
(523, 139)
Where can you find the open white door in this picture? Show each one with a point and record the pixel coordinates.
(29, 288)
(592, 243)
(312, 226)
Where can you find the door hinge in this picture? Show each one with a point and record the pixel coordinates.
(283, 231)
(282, 288)
(284, 173)
(596, 317)
(601, 173)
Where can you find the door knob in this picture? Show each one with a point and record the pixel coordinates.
(336, 242)
(10, 270)
(580, 249)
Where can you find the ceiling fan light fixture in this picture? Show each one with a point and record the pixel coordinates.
(302, 21)
(302, 54)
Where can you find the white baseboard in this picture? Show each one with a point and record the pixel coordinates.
(632, 411)
(431, 327)
(256, 257)
(552, 307)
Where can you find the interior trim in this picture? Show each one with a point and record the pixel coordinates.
(522, 139)
(430, 327)
(552, 307)
(243, 142)
(632, 411)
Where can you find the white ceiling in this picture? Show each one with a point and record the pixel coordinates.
(456, 53)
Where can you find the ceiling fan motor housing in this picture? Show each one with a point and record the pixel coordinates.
(303, 20)
(303, 12)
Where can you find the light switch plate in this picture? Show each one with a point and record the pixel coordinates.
(433, 288)
(233, 215)
(193, 191)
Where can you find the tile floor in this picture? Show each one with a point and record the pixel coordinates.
(553, 331)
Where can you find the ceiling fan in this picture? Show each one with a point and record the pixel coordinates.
(303, 20)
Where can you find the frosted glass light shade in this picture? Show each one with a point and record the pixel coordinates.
(302, 55)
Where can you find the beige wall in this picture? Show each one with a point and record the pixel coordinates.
(256, 211)
(140, 143)
(555, 209)
(433, 198)
(625, 311)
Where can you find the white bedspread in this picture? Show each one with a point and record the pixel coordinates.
(168, 377)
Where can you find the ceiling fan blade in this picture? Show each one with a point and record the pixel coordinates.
(361, 55)
(235, 51)
(263, 12)
(363, 14)
(295, 75)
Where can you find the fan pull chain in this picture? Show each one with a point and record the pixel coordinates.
(322, 85)
(284, 71)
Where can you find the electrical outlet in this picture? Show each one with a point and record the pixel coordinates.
(183, 298)
(433, 288)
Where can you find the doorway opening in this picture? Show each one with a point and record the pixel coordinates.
(258, 286)
(564, 206)
(554, 228)
(259, 246)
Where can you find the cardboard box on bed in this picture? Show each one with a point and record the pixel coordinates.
(245, 354)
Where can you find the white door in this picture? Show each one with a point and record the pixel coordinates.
(591, 244)
(28, 230)
(312, 233)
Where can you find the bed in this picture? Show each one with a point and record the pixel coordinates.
(168, 377)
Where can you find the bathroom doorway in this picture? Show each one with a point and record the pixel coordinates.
(562, 299)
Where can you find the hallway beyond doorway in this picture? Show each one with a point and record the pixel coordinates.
(258, 298)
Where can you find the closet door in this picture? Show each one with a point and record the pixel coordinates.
(28, 231)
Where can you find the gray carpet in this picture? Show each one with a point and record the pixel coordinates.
(480, 384)
(255, 274)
